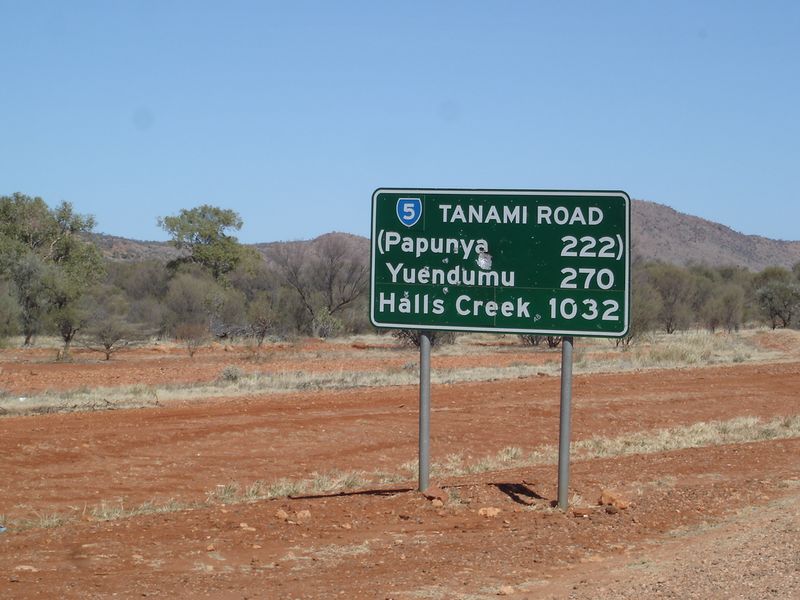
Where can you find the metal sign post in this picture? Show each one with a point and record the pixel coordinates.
(565, 426)
(424, 409)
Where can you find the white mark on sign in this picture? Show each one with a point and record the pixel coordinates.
(484, 261)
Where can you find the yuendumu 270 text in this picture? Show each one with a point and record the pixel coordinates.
(458, 275)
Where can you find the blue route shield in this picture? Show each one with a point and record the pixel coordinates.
(409, 211)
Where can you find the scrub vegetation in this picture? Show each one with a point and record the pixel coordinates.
(58, 279)
(658, 350)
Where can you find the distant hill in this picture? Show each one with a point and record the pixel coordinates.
(123, 249)
(659, 233)
(357, 244)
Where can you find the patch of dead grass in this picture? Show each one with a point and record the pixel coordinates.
(711, 433)
(682, 349)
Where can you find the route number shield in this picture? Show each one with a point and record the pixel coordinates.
(409, 211)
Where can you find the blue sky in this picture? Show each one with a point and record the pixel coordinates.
(292, 113)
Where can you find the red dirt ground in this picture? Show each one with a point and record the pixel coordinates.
(382, 544)
(30, 371)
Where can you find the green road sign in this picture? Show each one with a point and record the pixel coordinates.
(522, 261)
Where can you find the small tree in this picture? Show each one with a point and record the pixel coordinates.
(779, 302)
(328, 274)
(9, 313)
(112, 336)
(48, 262)
(674, 285)
(770, 274)
(192, 336)
(646, 306)
(260, 318)
(227, 308)
(325, 325)
(343, 274)
(67, 320)
(66, 286)
(27, 275)
(106, 328)
(189, 300)
(724, 308)
(202, 231)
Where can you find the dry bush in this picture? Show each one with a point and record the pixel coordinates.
(411, 337)
(192, 336)
(230, 374)
(553, 341)
(529, 339)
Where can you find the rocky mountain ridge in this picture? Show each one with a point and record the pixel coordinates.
(658, 233)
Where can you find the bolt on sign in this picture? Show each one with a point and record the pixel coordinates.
(517, 261)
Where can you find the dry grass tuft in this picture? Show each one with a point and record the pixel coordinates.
(227, 493)
(283, 488)
(39, 521)
(711, 433)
